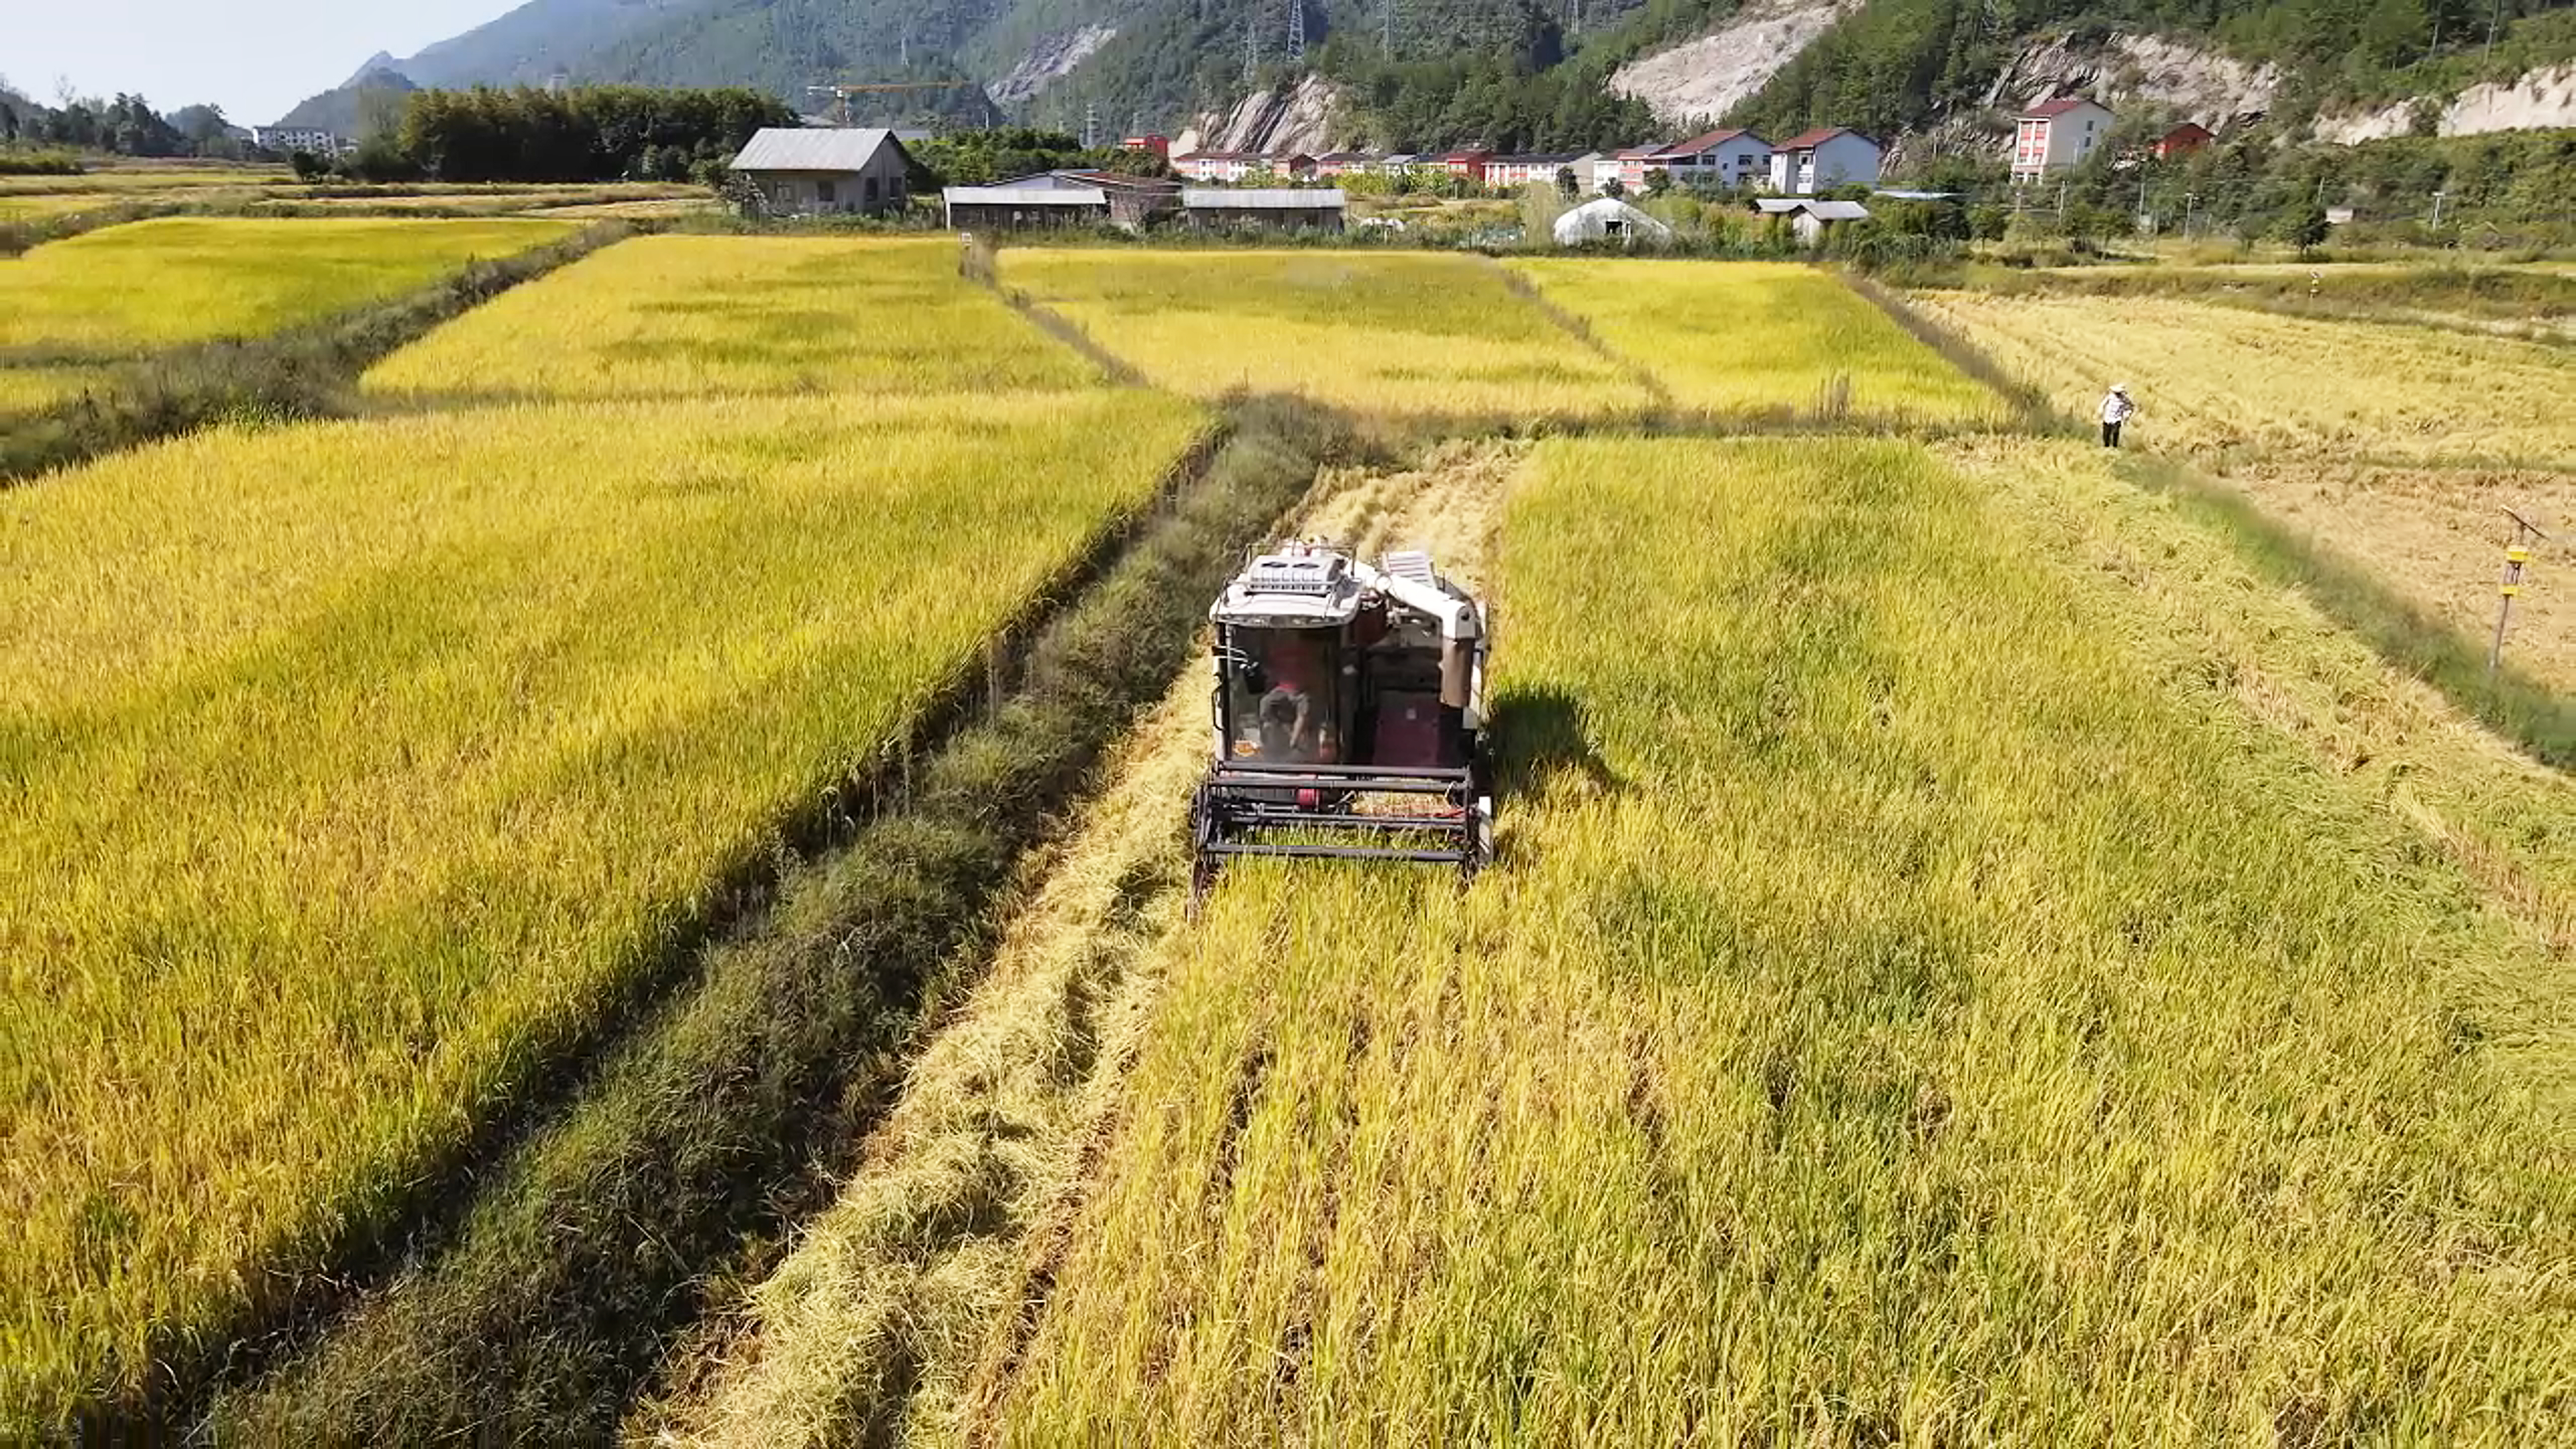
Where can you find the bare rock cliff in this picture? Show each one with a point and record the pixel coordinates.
(1304, 117)
(1697, 81)
(2539, 98)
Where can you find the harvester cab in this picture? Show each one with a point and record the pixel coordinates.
(1349, 716)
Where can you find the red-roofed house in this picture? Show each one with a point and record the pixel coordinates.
(1729, 158)
(1470, 164)
(1825, 157)
(2182, 140)
(2054, 135)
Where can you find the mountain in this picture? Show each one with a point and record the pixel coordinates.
(1534, 73)
(371, 100)
(536, 41)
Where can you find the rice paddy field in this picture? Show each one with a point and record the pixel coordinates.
(1762, 337)
(2224, 381)
(694, 316)
(1393, 334)
(156, 283)
(1903, 1015)
(427, 732)
(1973, 958)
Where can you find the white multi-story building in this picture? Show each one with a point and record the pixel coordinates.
(1730, 159)
(311, 139)
(1823, 158)
(2054, 135)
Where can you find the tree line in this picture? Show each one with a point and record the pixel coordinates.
(589, 133)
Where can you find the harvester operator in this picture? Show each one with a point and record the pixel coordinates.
(1290, 729)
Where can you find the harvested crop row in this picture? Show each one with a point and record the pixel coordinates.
(2227, 381)
(1408, 334)
(1901, 1015)
(690, 316)
(1763, 339)
(353, 764)
(151, 284)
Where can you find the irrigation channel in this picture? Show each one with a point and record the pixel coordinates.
(905, 1306)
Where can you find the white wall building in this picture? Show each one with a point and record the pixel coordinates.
(309, 139)
(1729, 159)
(2054, 135)
(1826, 157)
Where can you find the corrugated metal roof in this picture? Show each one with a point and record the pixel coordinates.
(2058, 107)
(1025, 196)
(1820, 210)
(1262, 198)
(776, 148)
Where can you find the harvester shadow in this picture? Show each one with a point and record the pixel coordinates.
(1543, 746)
(2527, 712)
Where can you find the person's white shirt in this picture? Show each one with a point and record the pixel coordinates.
(2116, 407)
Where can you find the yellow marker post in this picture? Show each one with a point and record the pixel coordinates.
(2517, 552)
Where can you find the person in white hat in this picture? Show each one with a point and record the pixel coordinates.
(2116, 408)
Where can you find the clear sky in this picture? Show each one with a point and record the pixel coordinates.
(255, 60)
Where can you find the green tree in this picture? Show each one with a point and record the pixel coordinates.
(2304, 227)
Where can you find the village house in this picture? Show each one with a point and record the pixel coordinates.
(1729, 159)
(1823, 158)
(1341, 163)
(2182, 140)
(1537, 169)
(1155, 143)
(1217, 165)
(1469, 164)
(1631, 164)
(801, 172)
(2054, 135)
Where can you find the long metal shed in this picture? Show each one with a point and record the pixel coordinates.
(1267, 208)
(988, 208)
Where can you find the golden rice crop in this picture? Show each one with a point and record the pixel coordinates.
(1901, 1014)
(145, 178)
(179, 279)
(41, 206)
(2226, 380)
(1755, 337)
(36, 387)
(351, 764)
(685, 316)
(1414, 334)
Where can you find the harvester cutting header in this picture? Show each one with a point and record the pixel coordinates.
(1349, 713)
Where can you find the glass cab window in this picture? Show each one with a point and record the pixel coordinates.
(1283, 690)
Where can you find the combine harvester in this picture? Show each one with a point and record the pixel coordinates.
(1350, 716)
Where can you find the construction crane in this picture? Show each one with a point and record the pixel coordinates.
(1349, 716)
(841, 93)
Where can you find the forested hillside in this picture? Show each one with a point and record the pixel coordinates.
(1423, 73)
